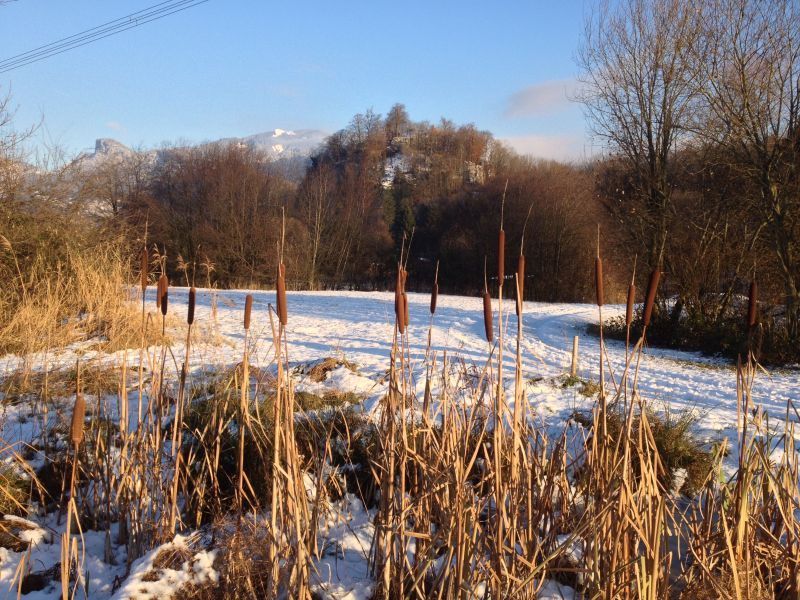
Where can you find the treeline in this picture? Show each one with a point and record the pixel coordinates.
(372, 185)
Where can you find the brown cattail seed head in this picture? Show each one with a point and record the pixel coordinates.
(163, 283)
(192, 301)
(752, 305)
(520, 283)
(598, 280)
(501, 256)
(78, 415)
(406, 320)
(159, 285)
(434, 297)
(145, 268)
(248, 308)
(399, 311)
(283, 313)
(487, 317)
(629, 305)
(652, 288)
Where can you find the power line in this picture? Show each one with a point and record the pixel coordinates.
(83, 38)
(130, 21)
(97, 30)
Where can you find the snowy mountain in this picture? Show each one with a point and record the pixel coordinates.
(288, 150)
(282, 143)
(108, 151)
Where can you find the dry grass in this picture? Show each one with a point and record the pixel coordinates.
(85, 297)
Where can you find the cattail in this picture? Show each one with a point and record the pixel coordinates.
(399, 313)
(435, 290)
(652, 288)
(501, 256)
(163, 284)
(248, 307)
(406, 320)
(520, 283)
(145, 268)
(78, 415)
(487, 316)
(629, 305)
(192, 299)
(752, 305)
(283, 313)
(598, 280)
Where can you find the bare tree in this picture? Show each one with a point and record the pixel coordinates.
(751, 87)
(12, 151)
(315, 206)
(638, 96)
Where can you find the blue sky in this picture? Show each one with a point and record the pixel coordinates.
(234, 68)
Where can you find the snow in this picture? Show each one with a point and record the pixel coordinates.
(358, 327)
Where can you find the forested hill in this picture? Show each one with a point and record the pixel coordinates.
(360, 192)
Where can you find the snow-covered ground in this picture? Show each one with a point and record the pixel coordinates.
(358, 327)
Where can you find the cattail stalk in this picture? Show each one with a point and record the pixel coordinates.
(164, 287)
(145, 268)
(145, 276)
(487, 307)
(520, 297)
(628, 321)
(244, 403)
(78, 416)
(652, 288)
(752, 305)
(280, 294)
(192, 301)
(598, 280)
(435, 290)
(248, 308)
(501, 256)
(629, 305)
(399, 301)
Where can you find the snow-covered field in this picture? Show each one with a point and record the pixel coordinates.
(358, 327)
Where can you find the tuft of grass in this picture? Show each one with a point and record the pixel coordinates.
(30, 386)
(676, 446)
(586, 387)
(15, 490)
(318, 370)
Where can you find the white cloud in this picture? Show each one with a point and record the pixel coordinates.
(564, 147)
(116, 126)
(541, 99)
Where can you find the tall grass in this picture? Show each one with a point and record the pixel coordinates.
(81, 297)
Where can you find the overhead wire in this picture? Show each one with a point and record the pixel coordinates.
(88, 36)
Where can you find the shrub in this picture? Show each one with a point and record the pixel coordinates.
(676, 445)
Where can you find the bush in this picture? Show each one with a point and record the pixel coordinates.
(726, 336)
(677, 447)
